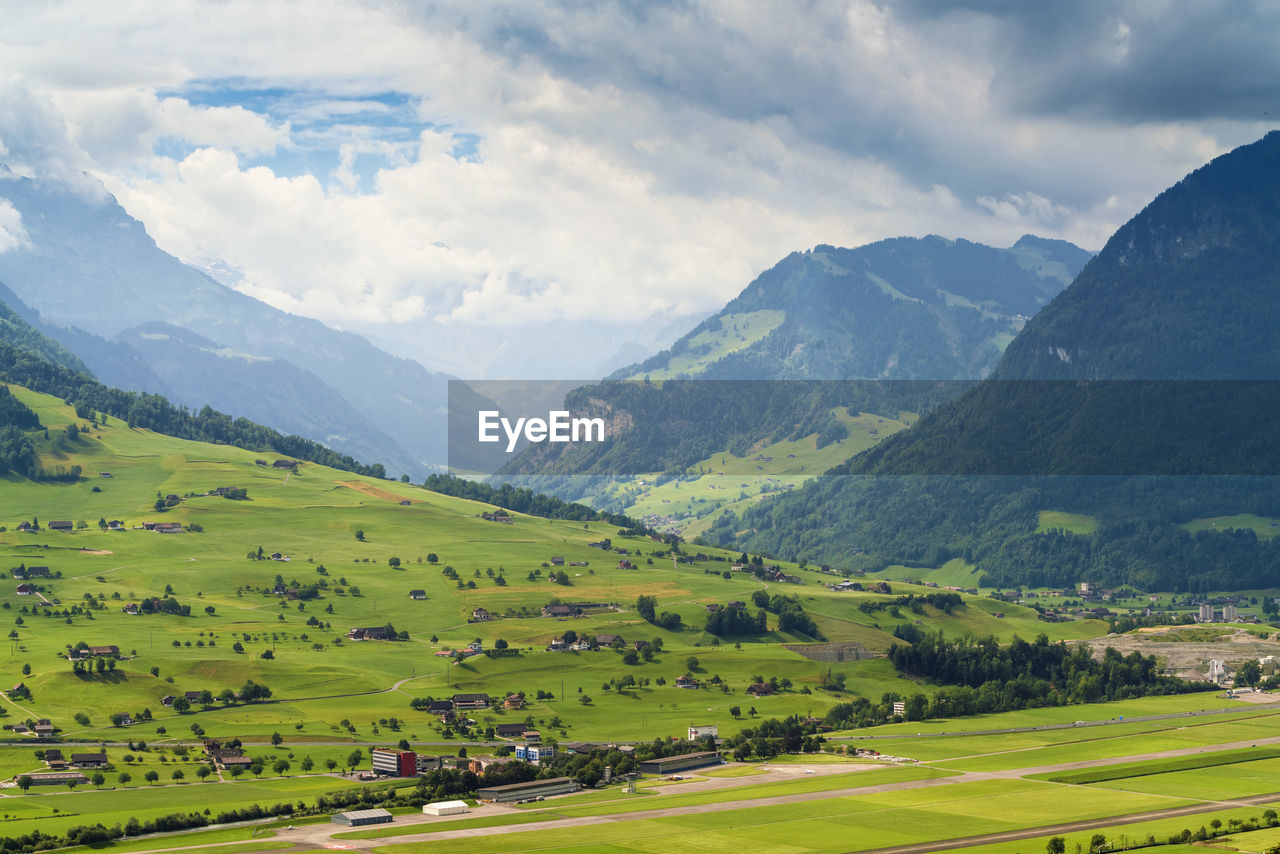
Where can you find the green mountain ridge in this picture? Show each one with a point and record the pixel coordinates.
(904, 308)
(1186, 291)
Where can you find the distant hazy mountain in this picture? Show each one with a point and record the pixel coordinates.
(906, 308)
(91, 266)
(1160, 359)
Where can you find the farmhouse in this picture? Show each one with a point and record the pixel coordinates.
(609, 640)
(470, 701)
(510, 730)
(31, 572)
(760, 689)
(25, 589)
(168, 528)
(527, 791)
(89, 760)
(557, 561)
(514, 701)
(418, 594)
(686, 681)
(111, 649)
(61, 526)
(559, 610)
(370, 633)
(285, 464)
(672, 764)
(480, 615)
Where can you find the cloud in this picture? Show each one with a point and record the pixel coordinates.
(12, 234)
(378, 164)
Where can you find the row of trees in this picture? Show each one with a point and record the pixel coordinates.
(993, 678)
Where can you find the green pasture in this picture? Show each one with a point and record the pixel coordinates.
(1264, 526)
(1072, 523)
(736, 332)
(834, 824)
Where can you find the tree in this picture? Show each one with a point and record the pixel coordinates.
(1249, 673)
(280, 766)
(354, 758)
(203, 771)
(1098, 843)
(181, 704)
(98, 779)
(360, 534)
(276, 739)
(1056, 845)
(736, 711)
(394, 562)
(24, 782)
(177, 775)
(124, 778)
(151, 776)
(432, 557)
(331, 764)
(691, 662)
(646, 607)
(26, 670)
(500, 643)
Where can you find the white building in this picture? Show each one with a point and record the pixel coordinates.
(697, 732)
(1216, 671)
(446, 808)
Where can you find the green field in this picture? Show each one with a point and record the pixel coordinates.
(1264, 526)
(331, 694)
(1075, 523)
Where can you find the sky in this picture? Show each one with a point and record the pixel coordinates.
(400, 167)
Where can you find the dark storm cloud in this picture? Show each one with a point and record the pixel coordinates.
(1131, 61)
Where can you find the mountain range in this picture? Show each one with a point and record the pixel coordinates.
(141, 319)
(905, 308)
(1142, 397)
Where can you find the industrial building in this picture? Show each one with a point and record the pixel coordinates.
(525, 791)
(394, 763)
(683, 762)
(446, 808)
(357, 818)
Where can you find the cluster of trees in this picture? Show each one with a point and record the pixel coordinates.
(791, 617)
(734, 620)
(647, 607)
(775, 736)
(994, 678)
(155, 412)
(167, 605)
(524, 501)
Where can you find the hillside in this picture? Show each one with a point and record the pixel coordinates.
(906, 308)
(340, 533)
(92, 271)
(1178, 384)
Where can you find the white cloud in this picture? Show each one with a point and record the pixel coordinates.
(12, 234)
(627, 159)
